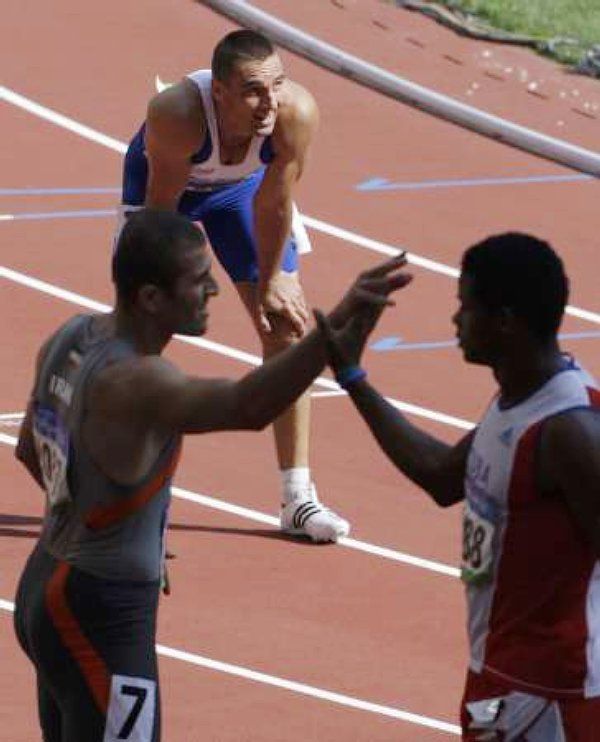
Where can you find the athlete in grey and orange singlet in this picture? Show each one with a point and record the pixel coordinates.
(88, 596)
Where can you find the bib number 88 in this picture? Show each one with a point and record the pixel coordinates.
(473, 539)
(477, 553)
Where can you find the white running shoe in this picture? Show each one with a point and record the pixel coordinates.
(305, 516)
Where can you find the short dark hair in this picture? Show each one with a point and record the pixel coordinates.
(148, 251)
(237, 47)
(522, 273)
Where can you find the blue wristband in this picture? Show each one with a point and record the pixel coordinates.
(349, 375)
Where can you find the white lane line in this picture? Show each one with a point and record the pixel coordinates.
(309, 690)
(44, 215)
(59, 191)
(426, 263)
(381, 551)
(85, 131)
(379, 247)
(271, 520)
(219, 348)
(10, 96)
(295, 687)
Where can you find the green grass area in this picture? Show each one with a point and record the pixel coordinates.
(577, 20)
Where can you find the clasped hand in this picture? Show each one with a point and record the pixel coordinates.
(348, 326)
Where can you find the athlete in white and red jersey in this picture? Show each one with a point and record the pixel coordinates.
(523, 560)
(529, 476)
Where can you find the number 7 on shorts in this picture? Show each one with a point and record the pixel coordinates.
(131, 710)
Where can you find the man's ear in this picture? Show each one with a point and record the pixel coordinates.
(216, 89)
(150, 298)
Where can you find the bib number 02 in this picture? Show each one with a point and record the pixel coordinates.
(52, 447)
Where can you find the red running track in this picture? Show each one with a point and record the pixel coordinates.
(339, 619)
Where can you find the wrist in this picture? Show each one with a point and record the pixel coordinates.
(347, 376)
(336, 318)
(265, 283)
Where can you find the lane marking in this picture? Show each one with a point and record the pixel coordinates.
(70, 124)
(219, 348)
(10, 96)
(56, 191)
(387, 344)
(321, 694)
(266, 519)
(383, 184)
(381, 551)
(308, 690)
(413, 259)
(81, 214)
(11, 419)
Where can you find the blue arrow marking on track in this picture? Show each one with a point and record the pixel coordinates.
(375, 184)
(383, 184)
(396, 343)
(391, 343)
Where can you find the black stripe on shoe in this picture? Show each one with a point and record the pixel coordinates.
(304, 512)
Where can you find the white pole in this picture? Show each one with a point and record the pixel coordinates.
(378, 79)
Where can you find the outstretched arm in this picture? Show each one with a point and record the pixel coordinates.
(433, 465)
(154, 394)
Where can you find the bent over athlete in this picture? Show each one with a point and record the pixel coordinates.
(101, 436)
(225, 147)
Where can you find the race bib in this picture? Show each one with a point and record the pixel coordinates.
(477, 557)
(131, 710)
(52, 446)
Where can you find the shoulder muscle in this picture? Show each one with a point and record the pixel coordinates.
(175, 120)
(297, 122)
